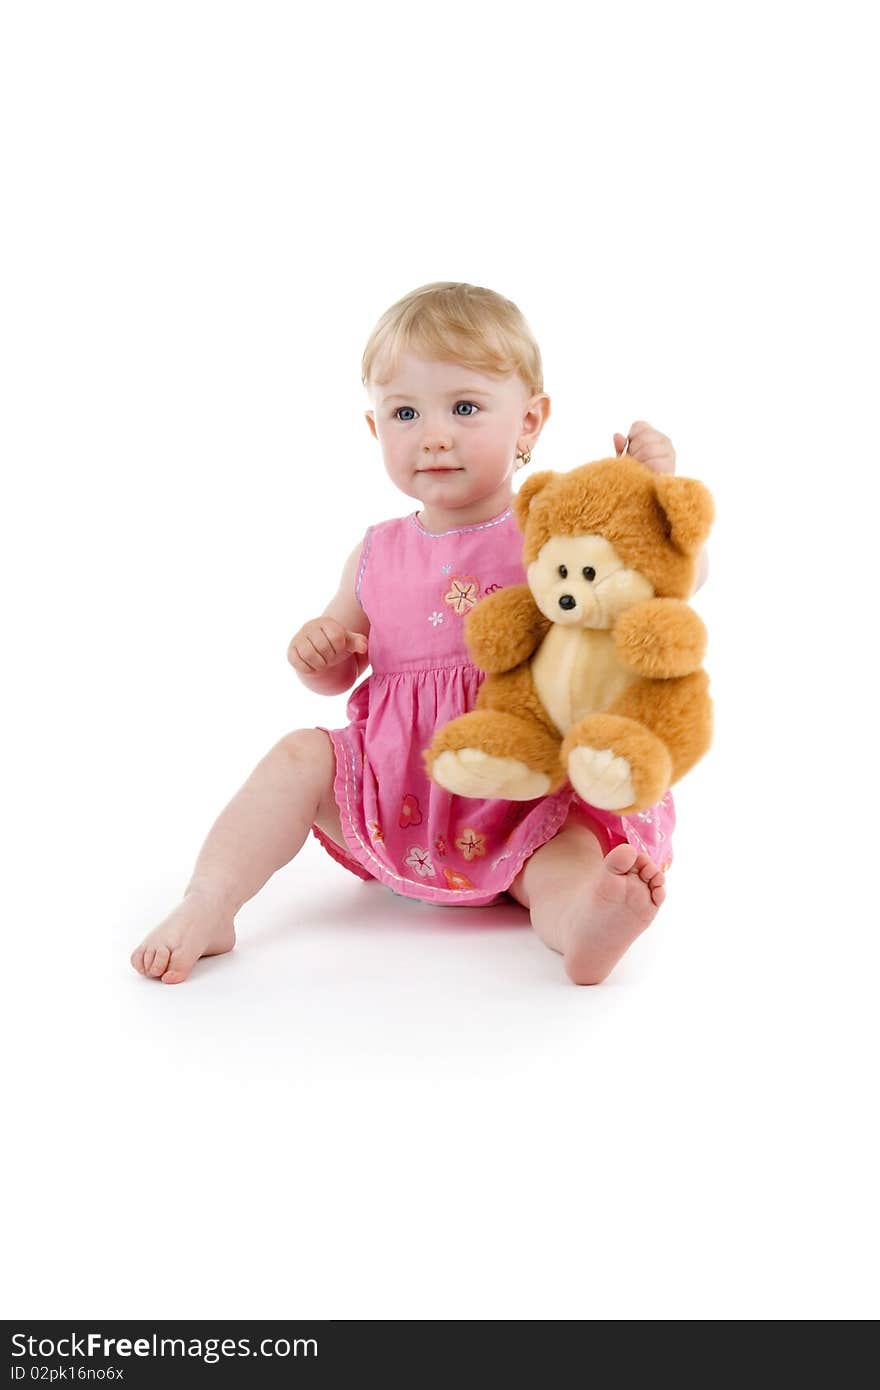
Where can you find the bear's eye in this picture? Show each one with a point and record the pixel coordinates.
(589, 572)
(563, 572)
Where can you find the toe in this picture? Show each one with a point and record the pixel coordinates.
(178, 967)
(658, 892)
(137, 960)
(621, 859)
(159, 962)
(645, 868)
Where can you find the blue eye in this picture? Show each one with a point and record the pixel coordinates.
(474, 410)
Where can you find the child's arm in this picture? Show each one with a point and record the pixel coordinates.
(329, 653)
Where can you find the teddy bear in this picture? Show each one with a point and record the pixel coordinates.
(594, 666)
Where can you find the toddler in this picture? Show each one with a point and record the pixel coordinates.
(455, 382)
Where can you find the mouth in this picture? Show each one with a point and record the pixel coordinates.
(438, 470)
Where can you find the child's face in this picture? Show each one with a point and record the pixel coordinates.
(449, 435)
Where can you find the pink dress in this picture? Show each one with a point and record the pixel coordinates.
(401, 828)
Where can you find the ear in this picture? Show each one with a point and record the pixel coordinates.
(688, 508)
(529, 490)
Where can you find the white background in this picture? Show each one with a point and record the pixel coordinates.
(372, 1108)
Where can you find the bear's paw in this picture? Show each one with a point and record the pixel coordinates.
(600, 778)
(471, 772)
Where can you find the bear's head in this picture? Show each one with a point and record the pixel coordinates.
(609, 535)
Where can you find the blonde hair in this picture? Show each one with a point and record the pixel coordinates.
(453, 322)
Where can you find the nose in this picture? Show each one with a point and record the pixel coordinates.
(436, 435)
(567, 601)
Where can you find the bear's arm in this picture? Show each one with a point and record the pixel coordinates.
(660, 638)
(504, 629)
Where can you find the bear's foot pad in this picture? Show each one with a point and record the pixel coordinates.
(471, 772)
(600, 778)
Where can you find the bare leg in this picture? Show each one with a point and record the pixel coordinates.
(587, 906)
(261, 829)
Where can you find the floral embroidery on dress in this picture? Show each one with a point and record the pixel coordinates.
(435, 618)
(463, 594)
(440, 846)
(447, 569)
(375, 830)
(456, 880)
(410, 812)
(419, 859)
(492, 588)
(471, 844)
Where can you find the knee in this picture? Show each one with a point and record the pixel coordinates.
(308, 748)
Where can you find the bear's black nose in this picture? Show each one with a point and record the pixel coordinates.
(567, 601)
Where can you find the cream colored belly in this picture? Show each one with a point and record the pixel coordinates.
(576, 673)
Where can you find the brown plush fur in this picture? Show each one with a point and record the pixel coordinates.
(656, 523)
(659, 721)
(661, 638)
(504, 629)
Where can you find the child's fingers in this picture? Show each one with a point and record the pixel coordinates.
(323, 643)
(640, 432)
(332, 635)
(299, 662)
(316, 652)
(641, 445)
(645, 435)
(320, 639)
(296, 654)
(661, 462)
(336, 642)
(333, 641)
(312, 655)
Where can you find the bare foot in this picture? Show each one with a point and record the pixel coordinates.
(622, 901)
(199, 926)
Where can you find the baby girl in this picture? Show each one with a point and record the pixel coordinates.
(455, 382)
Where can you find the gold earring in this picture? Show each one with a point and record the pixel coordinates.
(522, 459)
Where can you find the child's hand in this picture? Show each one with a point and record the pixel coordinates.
(649, 446)
(321, 644)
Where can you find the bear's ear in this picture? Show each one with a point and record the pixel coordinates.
(529, 490)
(688, 508)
